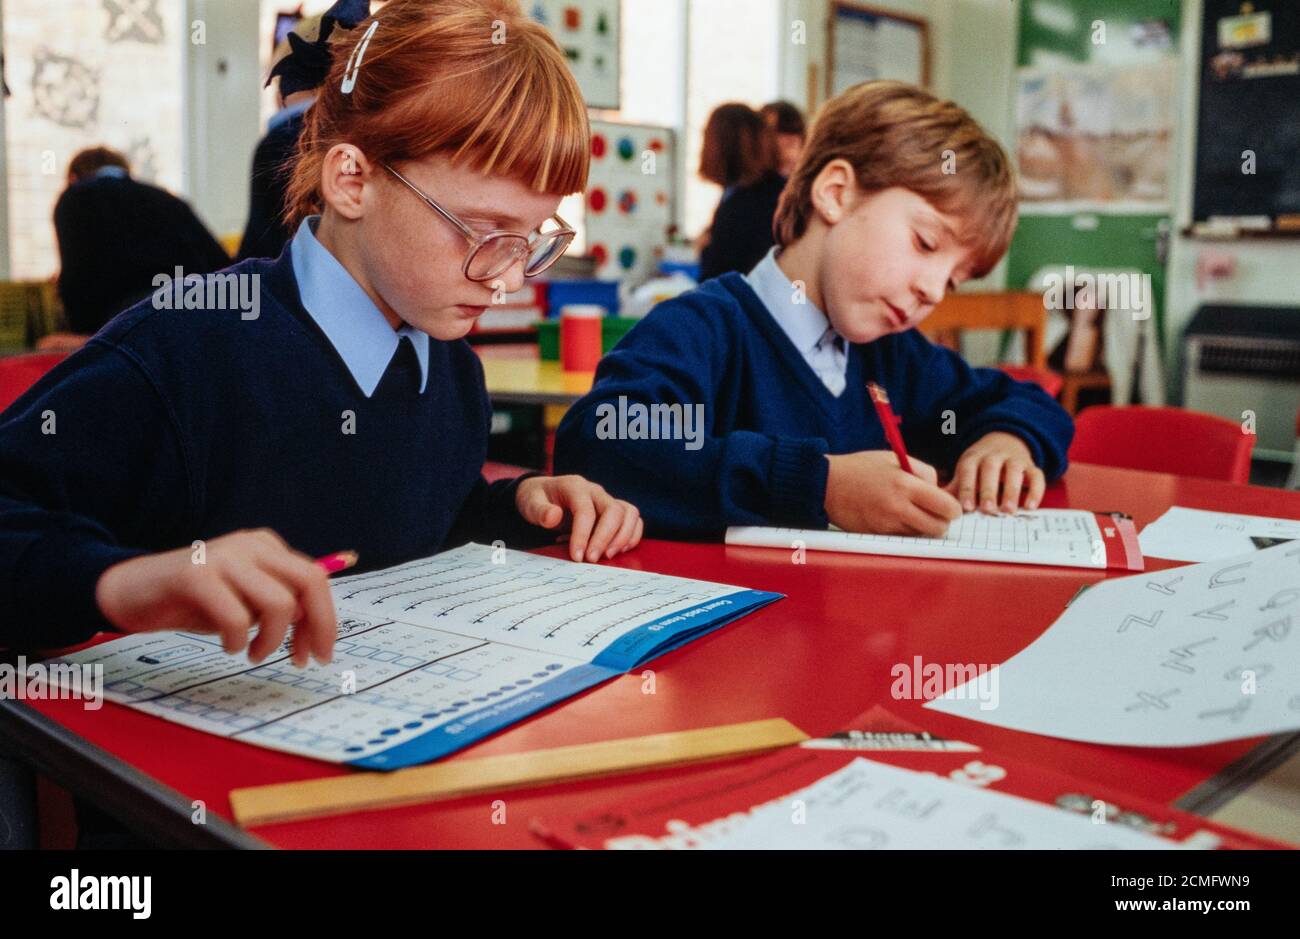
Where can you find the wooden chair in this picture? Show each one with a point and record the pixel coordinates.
(1017, 310)
(1163, 440)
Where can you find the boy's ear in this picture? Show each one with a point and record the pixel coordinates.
(344, 174)
(833, 191)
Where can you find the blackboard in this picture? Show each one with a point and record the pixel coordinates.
(1249, 104)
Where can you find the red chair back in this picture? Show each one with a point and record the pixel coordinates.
(20, 372)
(1163, 440)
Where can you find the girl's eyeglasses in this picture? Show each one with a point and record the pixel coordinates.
(493, 254)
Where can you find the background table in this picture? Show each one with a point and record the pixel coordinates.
(818, 658)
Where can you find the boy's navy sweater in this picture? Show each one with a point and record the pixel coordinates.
(769, 421)
(176, 425)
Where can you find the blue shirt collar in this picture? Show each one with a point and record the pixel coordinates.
(357, 329)
(282, 115)
(803, 322)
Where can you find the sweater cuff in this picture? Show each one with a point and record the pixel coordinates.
(517, 532)
(798, 483)
(59, 573)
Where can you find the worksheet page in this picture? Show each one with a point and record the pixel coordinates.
(1186, 656)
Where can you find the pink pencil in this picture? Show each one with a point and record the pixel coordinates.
(339, 561)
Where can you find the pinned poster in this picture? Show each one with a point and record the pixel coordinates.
(588, 34)
(629, 202)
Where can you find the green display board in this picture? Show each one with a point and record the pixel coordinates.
(1060, 34)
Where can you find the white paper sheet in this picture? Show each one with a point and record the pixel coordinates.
(1196, 535)
(1060, 537)
(1183, 657)
(430, 656)
(869, 805)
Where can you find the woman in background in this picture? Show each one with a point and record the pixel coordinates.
(739, 154)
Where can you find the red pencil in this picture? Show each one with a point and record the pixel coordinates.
(339, 561)
(890, 421)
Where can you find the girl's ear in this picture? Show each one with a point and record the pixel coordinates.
(833, 191)
(344, 175)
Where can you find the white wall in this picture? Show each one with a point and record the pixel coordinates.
(222, 82)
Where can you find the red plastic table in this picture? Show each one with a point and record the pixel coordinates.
(818, 658)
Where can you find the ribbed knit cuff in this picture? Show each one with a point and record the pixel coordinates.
(798, 483)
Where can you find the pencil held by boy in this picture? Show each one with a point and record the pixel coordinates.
(898, 198)
(184, 468)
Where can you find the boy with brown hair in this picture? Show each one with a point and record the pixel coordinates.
(898, 198)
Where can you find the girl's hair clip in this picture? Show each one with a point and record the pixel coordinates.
(354, 60)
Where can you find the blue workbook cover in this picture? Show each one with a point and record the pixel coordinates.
(431, 657)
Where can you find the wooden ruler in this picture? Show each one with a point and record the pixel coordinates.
(363, 791)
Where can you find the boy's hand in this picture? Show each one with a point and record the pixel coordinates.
(994, 471)
(869, 492)
(598, 524)
(248, 578)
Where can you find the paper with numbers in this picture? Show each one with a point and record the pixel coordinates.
(1196, 535)
(870, 805)
(1058, 537)
(1186, 656)
(431, 656)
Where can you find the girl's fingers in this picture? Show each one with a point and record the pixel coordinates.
(636, 535)
(584, 518)
(273, 606)
(611, 520)
(317, 627)
(221, 610)
(540, 510)
(623, 538)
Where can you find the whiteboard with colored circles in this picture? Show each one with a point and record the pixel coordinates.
(629, 205)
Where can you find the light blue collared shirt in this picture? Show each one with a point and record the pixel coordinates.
(282, 115)
(822, 348)
(363, 338)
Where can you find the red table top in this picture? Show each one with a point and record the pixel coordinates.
(817, 658)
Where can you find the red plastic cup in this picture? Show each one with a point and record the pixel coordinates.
(580, 337)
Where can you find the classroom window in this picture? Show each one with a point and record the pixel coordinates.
(85, 73)
(732, 55)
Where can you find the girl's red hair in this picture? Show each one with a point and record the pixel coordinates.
(474, 79)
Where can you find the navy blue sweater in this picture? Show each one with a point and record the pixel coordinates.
(769, 420)
(176, 425)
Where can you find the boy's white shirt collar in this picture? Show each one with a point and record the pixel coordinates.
(357, 329)
(805, 324)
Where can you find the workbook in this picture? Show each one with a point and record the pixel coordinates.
(431, 656)
(884, 784)
(1056, 537)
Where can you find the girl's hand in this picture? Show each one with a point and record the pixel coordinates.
(995, 470)
(247, 578)
(598, 524)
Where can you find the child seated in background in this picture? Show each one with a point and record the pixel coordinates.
(898, 198)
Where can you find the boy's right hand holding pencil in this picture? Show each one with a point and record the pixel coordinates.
(871, 492)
